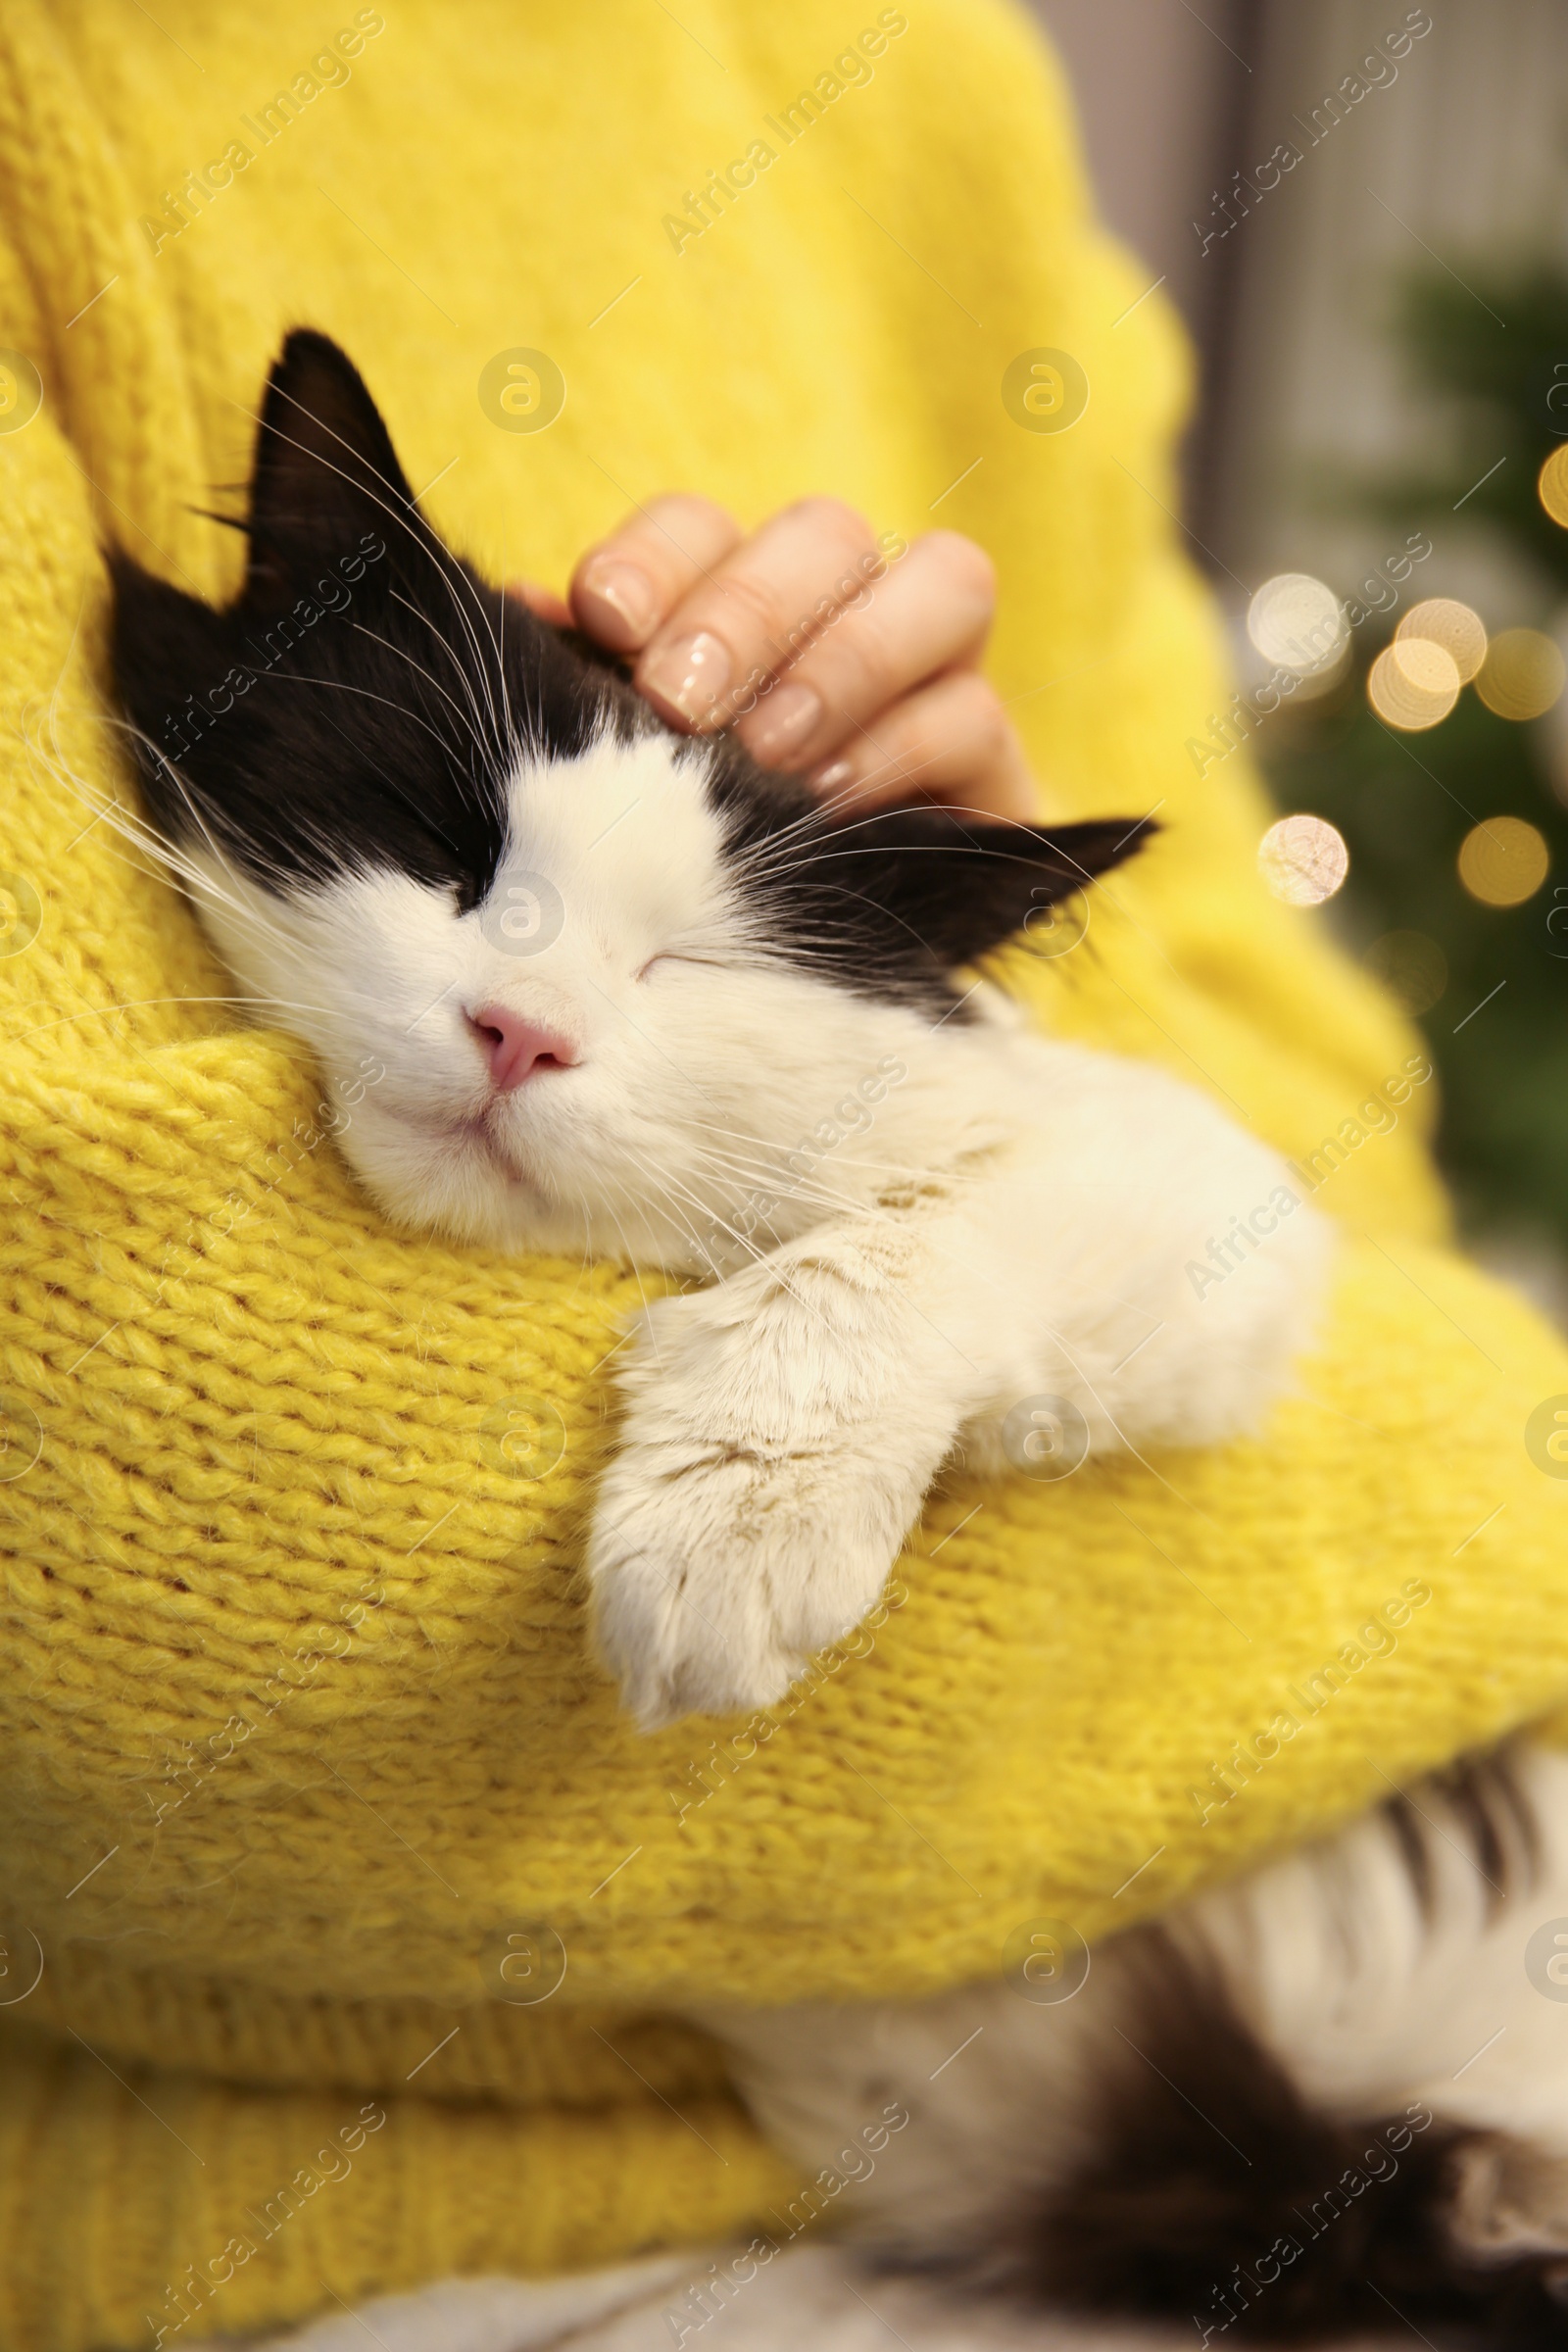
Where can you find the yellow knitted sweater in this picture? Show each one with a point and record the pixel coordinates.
(307, 1782)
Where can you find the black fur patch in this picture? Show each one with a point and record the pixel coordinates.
(1483, 1808)
(1217, 2196)
(363, 703)
(887, 904)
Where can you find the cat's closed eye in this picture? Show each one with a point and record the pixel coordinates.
(669, 960)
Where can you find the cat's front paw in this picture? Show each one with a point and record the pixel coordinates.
(718, 1572)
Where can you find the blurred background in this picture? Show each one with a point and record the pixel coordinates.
(1361, 211)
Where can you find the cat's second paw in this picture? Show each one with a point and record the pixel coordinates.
(718, 1572)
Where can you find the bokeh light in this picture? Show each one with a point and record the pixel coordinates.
(1412, 968)
(1551, 485)
(1444, 621)
(1413, 683)
(1298, 622)
(1522, 675)
(1303, 859)
(1503, 862)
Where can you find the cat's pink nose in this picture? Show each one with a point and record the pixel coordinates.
(517, 1050)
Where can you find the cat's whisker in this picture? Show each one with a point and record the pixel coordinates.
(400, 654)
(757, 1255)
(631, 1257)
(132, 827)
(499, 741)
(406, 517)
(113, 1012)
(828, 1201)
(764, 1174)
(402, 511)
(716, 1222)
(198, 881)
(420, 813)
(488, 736)
(299, 677)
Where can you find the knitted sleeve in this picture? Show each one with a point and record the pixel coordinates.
(301, 1740)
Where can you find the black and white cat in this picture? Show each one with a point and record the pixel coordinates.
(635, 995)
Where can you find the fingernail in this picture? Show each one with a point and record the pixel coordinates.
(689, 677)
(833, 778)
(626, 591)
(789, 716)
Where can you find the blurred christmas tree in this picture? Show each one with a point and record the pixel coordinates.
(1464, 914)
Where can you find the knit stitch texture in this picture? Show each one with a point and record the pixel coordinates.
(306, 1772)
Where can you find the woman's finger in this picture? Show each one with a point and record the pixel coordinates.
(542, 600)
(950, 741)
(755, 613)
(930, 616)
(624, 588)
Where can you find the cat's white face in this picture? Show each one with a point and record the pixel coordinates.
(607, 1053)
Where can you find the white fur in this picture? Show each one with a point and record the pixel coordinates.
(825, 2297)
(979, 1216)
(485, 2315)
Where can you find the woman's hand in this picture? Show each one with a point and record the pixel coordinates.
(825, 655)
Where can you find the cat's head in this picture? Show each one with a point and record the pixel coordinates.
(600, 974)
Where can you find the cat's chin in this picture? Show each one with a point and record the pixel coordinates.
(473, 1193)
(478, 1189)
(455, 1178)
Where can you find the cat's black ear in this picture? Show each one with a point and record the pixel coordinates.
(325, 475)
(957, 887)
